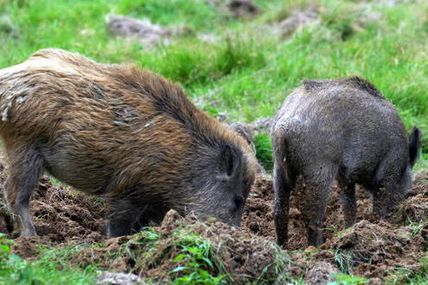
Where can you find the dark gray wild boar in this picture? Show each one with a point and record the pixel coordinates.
(339, 129)
(120, 132)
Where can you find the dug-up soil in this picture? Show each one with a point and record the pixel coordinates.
(371, 248)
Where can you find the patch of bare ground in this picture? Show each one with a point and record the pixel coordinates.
(298, 19)
(371, 248)
(236, 8)
(143, 30)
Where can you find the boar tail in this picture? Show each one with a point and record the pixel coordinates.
(414, 145)
(279, 147)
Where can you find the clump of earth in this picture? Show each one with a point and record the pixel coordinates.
(371, 248)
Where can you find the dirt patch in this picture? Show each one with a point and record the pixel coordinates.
(371, 248)
(374, 249)
(415, 208)
(242, 9)
(65, 215)
(7, 27)
(351, 20)
(321, 273)
(244, 257)
(142, 30)
(297, 20)
(344, 24)
(258, 215)
(61, 215)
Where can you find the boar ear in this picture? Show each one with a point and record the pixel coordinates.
(228, 160)
(414, 145)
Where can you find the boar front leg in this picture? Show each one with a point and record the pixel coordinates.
(281, 205)
(391, 185)
(123, 217)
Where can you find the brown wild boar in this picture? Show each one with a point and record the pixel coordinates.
(339, 129)
(120, 132)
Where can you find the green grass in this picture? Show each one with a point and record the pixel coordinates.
(344, 279)
(263, 146)
(185, 255)
(246, 74)
(15, 270)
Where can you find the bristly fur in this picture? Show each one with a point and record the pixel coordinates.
(115, 130)
(353, 81)
(363, 84)
(341, 130)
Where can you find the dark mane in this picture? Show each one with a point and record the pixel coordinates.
(353, 81)
(311, 85)
(170, 99)
(363, 84)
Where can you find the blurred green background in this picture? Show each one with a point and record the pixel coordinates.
(243, 65)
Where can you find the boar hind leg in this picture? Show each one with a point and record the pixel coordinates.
(284, 180)
(283, 185)
(123, 217)
(349, 202)
(23, 176)
(317, 188)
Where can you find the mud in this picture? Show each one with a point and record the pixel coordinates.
(258, 216)
(371, 248)
(60, 215)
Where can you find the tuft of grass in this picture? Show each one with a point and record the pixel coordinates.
(58, 183)
(15, 270)
(196, 262)
(192, 64)
(192, 258)
(264, 154)
(345, 279)
(415, 228)
(343, 259)
(277, 12)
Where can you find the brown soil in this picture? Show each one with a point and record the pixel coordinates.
(371, 248)
(259, 219)
(242, 8)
